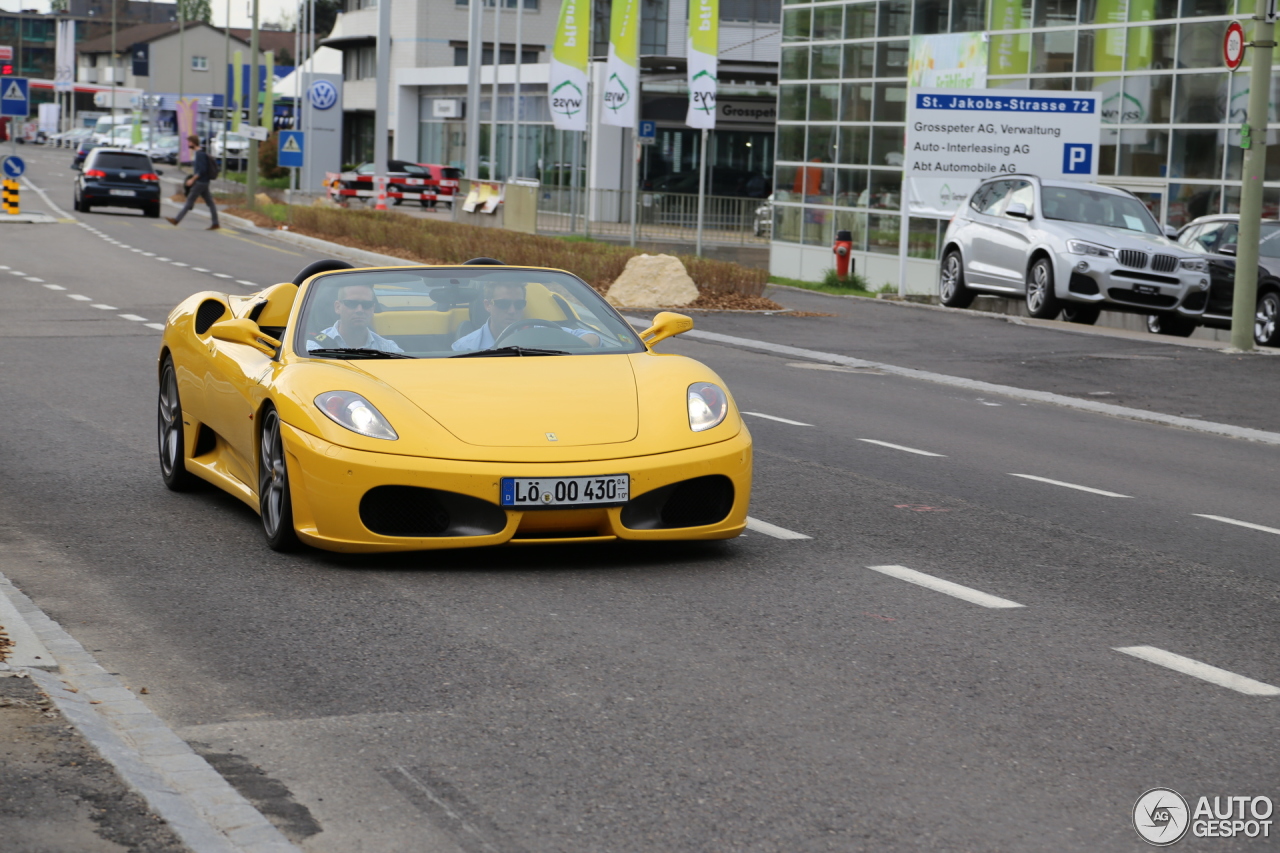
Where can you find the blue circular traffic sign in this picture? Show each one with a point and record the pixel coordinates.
(322, 94)
(13, 166)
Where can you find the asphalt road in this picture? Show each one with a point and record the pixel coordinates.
(763, 694)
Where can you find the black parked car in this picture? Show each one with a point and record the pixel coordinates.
(1215, 236)
(116, 177)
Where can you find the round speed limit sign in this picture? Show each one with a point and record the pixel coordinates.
(1233, 45)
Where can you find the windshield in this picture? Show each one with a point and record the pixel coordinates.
(1094, 207)
(1269, 240)
(114, 160)
(450, 311)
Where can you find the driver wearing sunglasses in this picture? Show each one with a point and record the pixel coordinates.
(505, 304)
(354, 307)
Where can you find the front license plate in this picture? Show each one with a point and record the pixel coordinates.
(565, 491)
(124, 192)
(1149, 289)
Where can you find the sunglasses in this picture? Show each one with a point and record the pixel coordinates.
(508, 304)
(357, 303)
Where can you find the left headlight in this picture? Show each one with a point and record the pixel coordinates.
(1195, 264)
(708, 404)
(350, 410)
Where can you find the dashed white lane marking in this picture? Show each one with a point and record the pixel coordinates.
(3, 267)
(1203, 671)
(776, 418)
(198, 269)
(221, 275)
(159, 327)
(135, 250)
(245, 283)
(18, 273)
(1238, 523)
(33, 278)
(178, 263)
(55, 287)
(78, 298)
(1103, 492)
(773, 530)
(106, 307)
(972, 596)
(133, 317)
(166, 260)
(148, 254)
(901, 447)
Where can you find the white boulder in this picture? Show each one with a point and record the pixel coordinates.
(652, 281)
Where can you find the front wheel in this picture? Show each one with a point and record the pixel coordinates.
(1266, 321)
(172, 437)
(1170, 324)
(1086, 315)
(952, 291)
(1042, 303)
(274, 503)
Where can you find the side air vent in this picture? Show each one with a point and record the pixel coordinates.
(691, 503)
(209, 312)
(416, 512)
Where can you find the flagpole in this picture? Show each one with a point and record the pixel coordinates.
(515, 101)
(635, 180)
(493, 99)
(702, 189)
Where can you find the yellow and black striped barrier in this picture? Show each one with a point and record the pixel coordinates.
(11, 197)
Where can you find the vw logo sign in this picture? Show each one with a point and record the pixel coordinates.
(322, 94)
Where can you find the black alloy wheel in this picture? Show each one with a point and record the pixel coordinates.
(170, 433)
(952, 291)
(1042, 303)
(1086, 315)
(1266, 321)
(274, 503)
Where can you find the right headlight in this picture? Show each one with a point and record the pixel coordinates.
(1080, 247)
(350, 410)
(1195, 264)
(708, 404)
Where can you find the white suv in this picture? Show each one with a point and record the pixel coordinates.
(1069, 247)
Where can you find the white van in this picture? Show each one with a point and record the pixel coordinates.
(102, 130)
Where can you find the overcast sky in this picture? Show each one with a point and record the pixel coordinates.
(241, 10)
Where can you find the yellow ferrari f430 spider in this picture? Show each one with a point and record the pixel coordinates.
(531, 412)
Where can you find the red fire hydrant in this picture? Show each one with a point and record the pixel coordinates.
(842, 248)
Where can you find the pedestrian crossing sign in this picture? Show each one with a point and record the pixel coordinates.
(14, 97)
(291, 149)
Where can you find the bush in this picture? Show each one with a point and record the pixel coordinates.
(267, 165)
(427, 241)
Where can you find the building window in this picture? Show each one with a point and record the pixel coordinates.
(360, 63)
(531, 5)
(528, 54)
(199, 63)
(356, 5)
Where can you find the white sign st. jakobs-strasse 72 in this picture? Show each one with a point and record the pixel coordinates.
(959, 137)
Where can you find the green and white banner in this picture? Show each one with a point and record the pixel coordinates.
(568, 85)
(704, 47)
(622, 73)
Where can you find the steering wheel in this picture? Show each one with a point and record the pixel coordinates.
(529, 324)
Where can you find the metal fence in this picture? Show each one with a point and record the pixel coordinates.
(663, 217)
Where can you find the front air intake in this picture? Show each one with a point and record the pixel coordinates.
(418, 512)
(691, 503)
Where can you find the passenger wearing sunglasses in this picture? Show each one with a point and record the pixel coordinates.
(354, 307)
(505, 304)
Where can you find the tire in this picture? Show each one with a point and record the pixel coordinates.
(1042, 303)
(1085, 315)
(75, 204)
(274, 503)
(170, 435)
(952, 290)
(152, 211)
(1171, 325)
(1266, 322)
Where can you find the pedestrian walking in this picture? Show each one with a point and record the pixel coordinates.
(203, 173)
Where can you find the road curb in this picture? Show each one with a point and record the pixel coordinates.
(202, 808)
(27, 652)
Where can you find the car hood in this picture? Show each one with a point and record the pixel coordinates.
(1119, 238)
(543, 401)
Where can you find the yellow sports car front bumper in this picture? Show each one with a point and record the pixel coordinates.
(339, 493)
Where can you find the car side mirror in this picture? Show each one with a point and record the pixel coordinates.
(1018, 211)
(244, 332)
(1228, 249)
(1171, 232)
(665, 325)
(159, 172)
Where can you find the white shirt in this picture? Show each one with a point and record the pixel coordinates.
(482, 338)
(335, 341)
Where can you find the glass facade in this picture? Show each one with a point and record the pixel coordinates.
(1171, 113)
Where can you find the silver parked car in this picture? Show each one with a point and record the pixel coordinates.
(1070, 247)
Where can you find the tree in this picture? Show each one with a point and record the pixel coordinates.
(195, 10)
(326, 13)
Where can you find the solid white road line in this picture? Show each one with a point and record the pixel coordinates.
(1203, 671)
(972, 596)
(78, 298)
(900, 447)
(133, 317)
(1247, 524)
(773, 530)
(1070, 485)
(776, 418)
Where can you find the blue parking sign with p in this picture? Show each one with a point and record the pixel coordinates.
(1077, 159)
